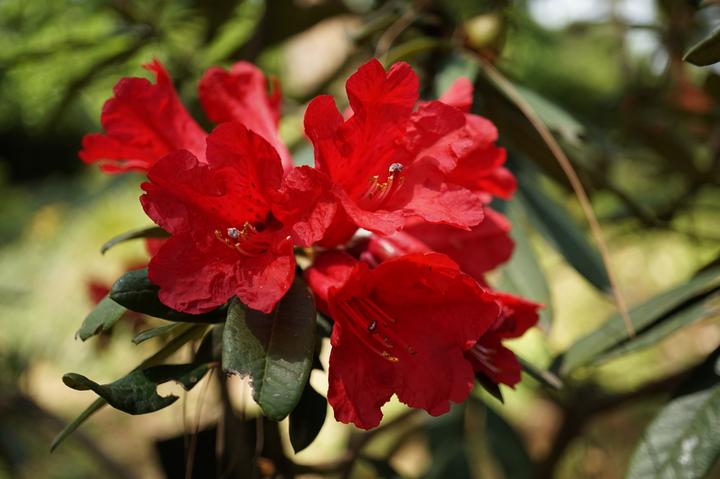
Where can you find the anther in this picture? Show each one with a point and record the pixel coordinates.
(396, 168)
(234, 233)
(389, 357)
(372, 326)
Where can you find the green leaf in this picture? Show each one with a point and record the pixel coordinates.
(682, 441)
(188, 332)
(149, 232)
(507, 446)
(705, 52)
(546, 378)
(307, 419)
(135, 291)
(522, 275)
(553, 116)
(652, 321)
(275, 349)
(136, 393)
(143, 336)
(555, 223)
(106, 313)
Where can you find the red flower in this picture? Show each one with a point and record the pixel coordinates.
(145, 121)
(389, 163)
(489, 357)
(233, 221)
(403, 328)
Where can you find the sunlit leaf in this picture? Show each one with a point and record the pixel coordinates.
(143, 336)
(652, 321)
(275, 350)
(106, 313)
(683, 441)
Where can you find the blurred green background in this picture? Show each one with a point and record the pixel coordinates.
(640, 125)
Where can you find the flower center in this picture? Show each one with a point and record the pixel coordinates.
(375, 329)
(248, 240)
(380, 191)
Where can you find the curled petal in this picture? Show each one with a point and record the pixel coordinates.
(143, 122)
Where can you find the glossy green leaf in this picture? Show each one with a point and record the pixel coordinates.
(106, 313)
(186, 333)
(683, 441)
(698, 311)
(507, 446)
(652, 320)
(705, 52)
(307, 419)
(555, 223)
(149, 232)
(522, 275)
(275, 350)
(136, 393)
(135, 291)
(143, 336)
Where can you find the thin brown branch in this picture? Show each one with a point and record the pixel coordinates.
(513, 95)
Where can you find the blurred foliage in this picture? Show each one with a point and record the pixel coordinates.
(638, 122)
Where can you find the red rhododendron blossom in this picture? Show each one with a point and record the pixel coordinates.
(389, 162)
(489, 357)
(233, 221)
(144, 121)
(402, 328)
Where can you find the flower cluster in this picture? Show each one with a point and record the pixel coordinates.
(395, 216)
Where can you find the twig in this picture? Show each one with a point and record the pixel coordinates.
(509, 90)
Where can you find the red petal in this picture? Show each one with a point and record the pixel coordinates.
(330, 269)
(477, 251)
(359, 384)
(143, 123)
(376, 93)
(519, 315)
(263, 280)
(499, 364)
(191, 279)
(426, 194)
(459, 94)
(306, 203)
(241, 94)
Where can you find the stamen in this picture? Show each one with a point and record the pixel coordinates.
(354, 320)
(390, 338)
(245, 241)
(379, 192)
